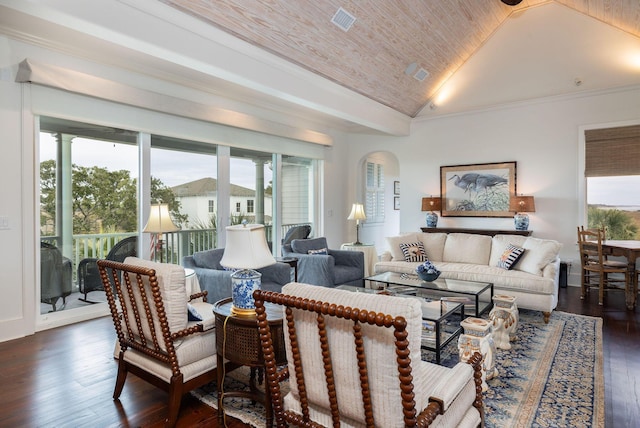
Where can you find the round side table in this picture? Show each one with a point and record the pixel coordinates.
(238, 341)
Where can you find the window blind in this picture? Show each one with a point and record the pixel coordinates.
(612, 151)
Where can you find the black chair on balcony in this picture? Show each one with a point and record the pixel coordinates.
(55, 276)
(296, 232)
(88, 275)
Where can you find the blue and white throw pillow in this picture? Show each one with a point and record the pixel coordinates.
(414, 252)
(510, 257)
(321, 251)
(192, 313)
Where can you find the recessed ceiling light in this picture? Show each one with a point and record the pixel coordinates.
(411, 68)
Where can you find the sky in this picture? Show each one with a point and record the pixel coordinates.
(615, 191)
(171, 167)
(174, 168)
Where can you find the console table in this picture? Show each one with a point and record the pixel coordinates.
(489, 232)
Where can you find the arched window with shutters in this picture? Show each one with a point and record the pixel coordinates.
(374, 189)
(612, 174)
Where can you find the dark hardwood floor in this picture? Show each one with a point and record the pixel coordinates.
(64, 377)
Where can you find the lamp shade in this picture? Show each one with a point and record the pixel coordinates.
(160, 220)
(431, 204)
(522, 204)
(357, 213)
(246, 248)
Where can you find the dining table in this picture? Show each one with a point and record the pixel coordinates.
(629, 249)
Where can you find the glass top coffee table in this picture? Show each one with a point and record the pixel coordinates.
(440, 319)
(477, 297)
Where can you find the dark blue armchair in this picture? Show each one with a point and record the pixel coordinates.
(328, 268)
(217, 281)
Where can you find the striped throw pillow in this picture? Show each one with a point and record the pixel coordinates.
(413, 252)
(510, 257)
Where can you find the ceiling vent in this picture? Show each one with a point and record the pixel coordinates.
(421, 74)
(343, 19)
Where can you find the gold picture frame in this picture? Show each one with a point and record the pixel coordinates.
(478, 190)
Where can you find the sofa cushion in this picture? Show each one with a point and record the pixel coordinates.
(433, 245)
(303, 246)
(393, 242)
(499, 244)
(510, 257)
(538, 254)
(413, 252)
(467, 248)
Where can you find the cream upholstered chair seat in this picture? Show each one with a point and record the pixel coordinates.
(156, 339)
(378, 364)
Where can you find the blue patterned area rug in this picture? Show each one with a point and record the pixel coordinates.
(551, 377)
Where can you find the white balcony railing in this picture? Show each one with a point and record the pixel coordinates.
(176, 244)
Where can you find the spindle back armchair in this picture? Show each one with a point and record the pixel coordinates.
(362, 367)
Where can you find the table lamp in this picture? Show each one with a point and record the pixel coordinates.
(246, 249)
(159, 222)
(432, 204)
(522, 205)
(357, 214)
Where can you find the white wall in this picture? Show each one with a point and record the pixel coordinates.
(541, 136)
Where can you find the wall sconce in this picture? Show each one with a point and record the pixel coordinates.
(432, 204)
(357, 214)
(522, 205)
(159, 222)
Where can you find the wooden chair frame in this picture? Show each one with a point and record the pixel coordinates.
(413, 417)
(594, 263)
(151, 304)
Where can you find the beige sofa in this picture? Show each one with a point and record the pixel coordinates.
(533, 280)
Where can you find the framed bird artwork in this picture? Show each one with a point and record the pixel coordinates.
(478, 190)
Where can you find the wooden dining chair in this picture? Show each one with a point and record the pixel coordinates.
(596, 267)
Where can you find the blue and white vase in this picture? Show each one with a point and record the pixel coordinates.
(243, 283)
(432, 219)
(521, 221)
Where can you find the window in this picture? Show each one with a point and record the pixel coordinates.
(612, 174)
(212, 207)
(374, 201)
(249, 205)
(238, 207)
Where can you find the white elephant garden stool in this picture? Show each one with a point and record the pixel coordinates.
(504, 316)
(478, 337)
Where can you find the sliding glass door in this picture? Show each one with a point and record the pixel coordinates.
(88, 203)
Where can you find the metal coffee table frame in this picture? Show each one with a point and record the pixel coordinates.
(477, 296)
(440, 314)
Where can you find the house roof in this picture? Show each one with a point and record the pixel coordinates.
(207, 186)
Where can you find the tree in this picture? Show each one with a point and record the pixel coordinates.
(103, 200)
(161, 193)
(617, 223)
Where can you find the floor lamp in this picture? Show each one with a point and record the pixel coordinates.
(159, 223)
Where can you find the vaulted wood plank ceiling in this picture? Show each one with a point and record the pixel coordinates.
(374, 56)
